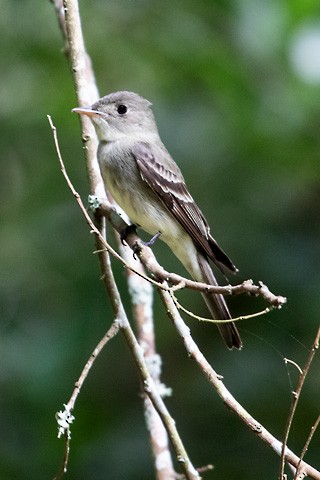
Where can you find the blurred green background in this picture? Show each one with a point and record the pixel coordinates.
(235, 87)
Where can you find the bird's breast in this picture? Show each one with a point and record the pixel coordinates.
(123, 181)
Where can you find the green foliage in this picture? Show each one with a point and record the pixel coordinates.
(243, 124)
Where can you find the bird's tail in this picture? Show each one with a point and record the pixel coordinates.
(218, 307)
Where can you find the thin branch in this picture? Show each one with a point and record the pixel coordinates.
(299, 473)
(195, 353)
(59, 8)
(64, 418)
(141, 293)
(112, 332)
(155, 397)
(178, 282)
(87, 93)
(215, 379)
(147, 258)
(232, 404)
(211, 320)
(142, 296)
(85, 85)
(287, 360)
(295, 400)
(149, 385)
(65, 461)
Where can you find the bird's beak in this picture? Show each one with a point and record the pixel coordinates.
(87, 111)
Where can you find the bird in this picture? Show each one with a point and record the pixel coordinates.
(145, 181)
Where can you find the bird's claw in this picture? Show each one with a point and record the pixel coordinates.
(152, 240)
(125, 232)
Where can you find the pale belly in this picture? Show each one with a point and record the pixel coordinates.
(155, 218)
(146, 210)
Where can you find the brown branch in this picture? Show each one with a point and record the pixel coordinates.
(112, 332)
(211, 320)
(232, 404)
(87, 93)
(151, 390)
(148, 383)
(141, 293)
(77, 52)
(299, 472)
(194, 352)
(64, 418)
(147, 257)
(59, 8)
(85, 84)
(149, 261)
(294, 403)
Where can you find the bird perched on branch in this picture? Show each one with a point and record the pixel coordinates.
(148, 185)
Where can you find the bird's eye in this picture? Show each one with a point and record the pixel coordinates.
(122, 109)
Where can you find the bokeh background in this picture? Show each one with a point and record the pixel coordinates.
(235, 87)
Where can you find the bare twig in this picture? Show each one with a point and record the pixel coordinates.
(294, 403)
(147, 258)
(141, 298)
(150, 389)
(77, 51)
(64, 418)
(299, 472)
(141, 293)
(65, 461)
(149, 385)
(216, 381)
(59, 8)
(211, 320)
(287, 360)
(112, 332)
(87, 93)
(84, 81)
(195, 353)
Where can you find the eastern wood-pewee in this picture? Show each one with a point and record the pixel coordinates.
(144, 180)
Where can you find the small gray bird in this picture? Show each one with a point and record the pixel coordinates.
(144, 180)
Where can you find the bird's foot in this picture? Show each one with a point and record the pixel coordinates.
(152, 240)
(137, 246)
(125, 232)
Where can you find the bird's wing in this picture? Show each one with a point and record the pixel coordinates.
(170, 187)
